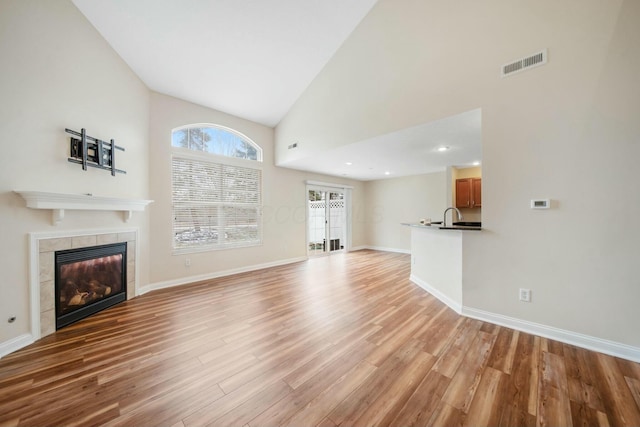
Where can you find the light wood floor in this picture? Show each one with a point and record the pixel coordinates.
(340, 340)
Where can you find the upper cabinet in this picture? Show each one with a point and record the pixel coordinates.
(469, 193)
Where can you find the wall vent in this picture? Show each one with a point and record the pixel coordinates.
(531, 61)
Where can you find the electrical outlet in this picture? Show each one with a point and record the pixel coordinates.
(525, 295)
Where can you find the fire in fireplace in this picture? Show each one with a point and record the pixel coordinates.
(89, 280)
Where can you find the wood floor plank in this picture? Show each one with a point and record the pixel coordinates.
(314, 412)
(394, 337)
(287, 362)
(384, 409)
(583, 415)
(345, 339)
(447, 415)
(278, 413)
(359, 401)
(439, 331)
(634, 386)
(481, 411)
(235, 399)
(452, 355)
(581, 378)
(318, 364)
(618, 399)
(504, 350)
(534, 376)
(628, 368)
(464, 383)
(554, 404)
(516, 391)
(421, 405)
(255, 405)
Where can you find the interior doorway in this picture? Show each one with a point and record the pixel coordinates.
(327, 212)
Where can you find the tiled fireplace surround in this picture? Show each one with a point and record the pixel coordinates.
(43, 248)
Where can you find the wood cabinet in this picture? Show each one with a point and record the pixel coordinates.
(469, 193)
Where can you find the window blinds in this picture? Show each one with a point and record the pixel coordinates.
(215, 204)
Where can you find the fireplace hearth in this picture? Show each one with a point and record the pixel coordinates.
(89, 280)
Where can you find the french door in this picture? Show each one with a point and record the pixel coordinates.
(327, 212)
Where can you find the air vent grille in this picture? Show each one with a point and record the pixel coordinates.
(531, 61)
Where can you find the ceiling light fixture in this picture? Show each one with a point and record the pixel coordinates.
(476, 163)
(387, 173)
(348, 163)
(443, 149)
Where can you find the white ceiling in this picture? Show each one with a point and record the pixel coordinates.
(249, 58)
(254, 58)
(410, 151)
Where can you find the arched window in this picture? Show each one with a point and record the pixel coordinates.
(216, 189)
(215, 139)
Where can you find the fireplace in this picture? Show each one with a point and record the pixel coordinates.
(88, 280)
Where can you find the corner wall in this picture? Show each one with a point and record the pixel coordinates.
(57, 72)
(419, 196)
(284, 201)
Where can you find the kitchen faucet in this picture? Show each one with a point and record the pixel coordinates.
(444, 220)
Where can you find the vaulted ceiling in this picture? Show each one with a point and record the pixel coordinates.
(249, 58)
(254, 58)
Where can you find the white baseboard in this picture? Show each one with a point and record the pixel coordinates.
(600, 345)
(192, 279)
(454, 305)
(15, 344)
(385, 249)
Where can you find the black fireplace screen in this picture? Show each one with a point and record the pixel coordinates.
(89, 280)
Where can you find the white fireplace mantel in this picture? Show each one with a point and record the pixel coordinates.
(59, 202)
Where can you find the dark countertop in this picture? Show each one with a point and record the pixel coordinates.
(440, 227)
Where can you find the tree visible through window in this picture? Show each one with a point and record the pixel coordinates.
(216, 140)
(216, 202)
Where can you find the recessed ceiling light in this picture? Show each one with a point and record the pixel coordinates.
(387, 173)
(348, 163)
(443, 149)
(476, 163)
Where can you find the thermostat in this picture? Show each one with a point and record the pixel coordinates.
(540, 203)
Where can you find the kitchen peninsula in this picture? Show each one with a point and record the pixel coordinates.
(436, 260)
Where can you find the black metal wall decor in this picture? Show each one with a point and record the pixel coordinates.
(90, 151)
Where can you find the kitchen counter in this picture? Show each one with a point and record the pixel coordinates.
(440, 227)
(436, 260)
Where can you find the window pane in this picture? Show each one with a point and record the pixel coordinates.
(195, 226)
(241, 223)
(216, 140)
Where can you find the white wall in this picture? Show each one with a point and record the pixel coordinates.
(57, 71)
(284, 200)
(568, 130)
(390, 202)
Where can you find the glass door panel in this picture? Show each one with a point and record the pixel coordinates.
(336, 215)
(316, 222)
(326, 217)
